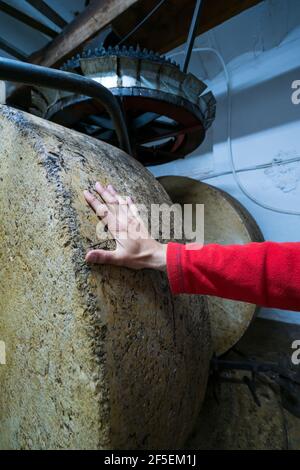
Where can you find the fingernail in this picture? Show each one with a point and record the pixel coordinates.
(99, 185)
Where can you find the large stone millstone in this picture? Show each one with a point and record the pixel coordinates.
(96, 357)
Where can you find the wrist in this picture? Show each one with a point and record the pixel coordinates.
(159, 257)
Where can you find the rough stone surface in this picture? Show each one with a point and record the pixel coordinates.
(235, 421)
(97, 357)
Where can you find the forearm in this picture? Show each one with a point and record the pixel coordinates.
(262, 273)
(266, 274)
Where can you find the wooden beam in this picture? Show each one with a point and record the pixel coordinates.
(12, 50)
(26, 19)
(47, 11)
(98, 15)
(163, 31)
(169, 26)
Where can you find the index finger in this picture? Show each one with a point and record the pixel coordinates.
(106, 195)
(95, 204)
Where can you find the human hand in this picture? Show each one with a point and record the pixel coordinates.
(134, 247)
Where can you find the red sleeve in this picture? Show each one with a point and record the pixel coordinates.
(266, 274)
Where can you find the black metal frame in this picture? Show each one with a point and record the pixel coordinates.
(20, 72)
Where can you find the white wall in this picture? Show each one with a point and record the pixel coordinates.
(261, 49)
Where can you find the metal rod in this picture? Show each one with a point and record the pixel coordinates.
(47, 11)
(143, 21)
(20, 72)
(12, 50)
(192, 34)
(26, 19)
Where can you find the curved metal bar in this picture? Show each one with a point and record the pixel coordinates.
(16, 71)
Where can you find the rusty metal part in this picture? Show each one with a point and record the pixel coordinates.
(167, 111)
(226, 222)
(279, 372)
(235, 422)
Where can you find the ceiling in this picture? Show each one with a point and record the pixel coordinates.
(20, 40)
(27, 26)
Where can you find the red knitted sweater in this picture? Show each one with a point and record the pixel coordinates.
(267, 274)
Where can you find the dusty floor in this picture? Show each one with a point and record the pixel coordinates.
(236, 422)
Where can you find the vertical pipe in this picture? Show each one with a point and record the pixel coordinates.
(2, 92)
(192, 34)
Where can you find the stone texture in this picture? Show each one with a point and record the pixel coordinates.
(226, 222)
(235, 421)
(97, 357)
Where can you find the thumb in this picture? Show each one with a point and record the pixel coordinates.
(101, 257)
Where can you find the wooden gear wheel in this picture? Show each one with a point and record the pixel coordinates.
(167, 111)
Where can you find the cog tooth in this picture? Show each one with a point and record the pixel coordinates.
(127, 51)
